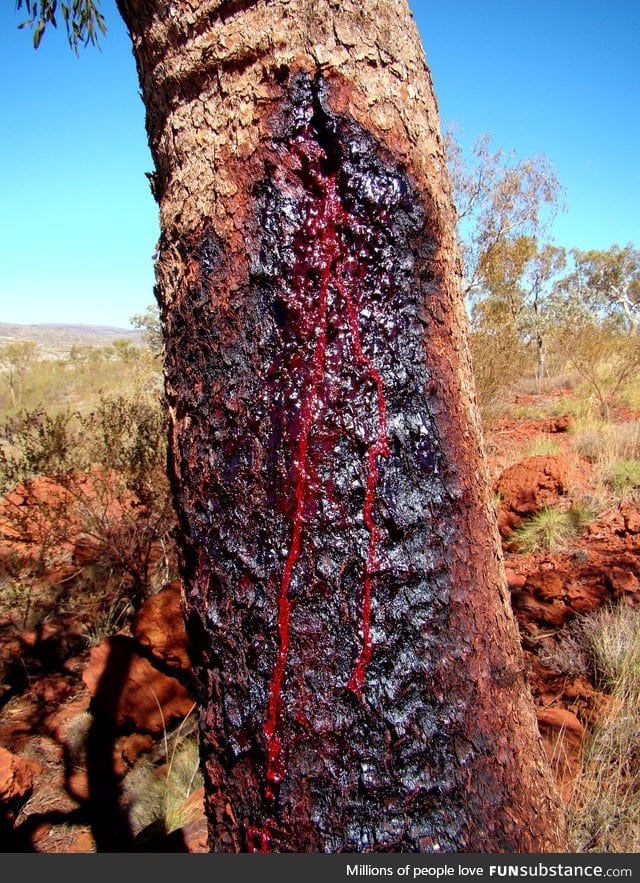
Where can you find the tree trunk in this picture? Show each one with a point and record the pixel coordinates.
(362, 686)
(541, 368)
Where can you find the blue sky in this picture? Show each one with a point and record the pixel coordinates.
(78, 225)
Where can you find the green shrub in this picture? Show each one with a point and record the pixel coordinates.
(111, 488)
(36, 443)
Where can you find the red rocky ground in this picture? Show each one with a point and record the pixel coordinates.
(75, 719)
(549, 591)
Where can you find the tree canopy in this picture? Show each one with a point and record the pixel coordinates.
(499, 199)
(83, 20)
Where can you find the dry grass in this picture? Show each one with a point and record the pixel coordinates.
(566, 652)
(601, 442)
(157, 795)
(554, 407)
(604, 810)
(542, 446)
(623, 477)
(550, 384)
(108, 622)
(551, 529)
(614, 451)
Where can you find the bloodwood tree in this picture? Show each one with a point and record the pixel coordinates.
(361, 681)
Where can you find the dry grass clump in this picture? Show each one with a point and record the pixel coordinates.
(549, 384)
(158, 795)
(623, 477)
(614, 451)
(555, 407)
(604, 810)
(603, 443)
(551, 529)
(542, 446)
(109, 621)
(567, 653)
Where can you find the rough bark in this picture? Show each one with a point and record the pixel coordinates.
(361, 681)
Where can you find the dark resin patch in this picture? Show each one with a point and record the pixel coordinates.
(334, 257)
(316, 517)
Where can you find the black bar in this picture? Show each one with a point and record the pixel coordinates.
(312, 868)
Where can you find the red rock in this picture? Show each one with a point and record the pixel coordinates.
(560, 719)
(514, 580)
(159, 626)
(66, 717)
(622, 582)
(81, 842)
(548, 585)
(86, 551)
(16, 778)
(631, 517)
(130, 690)
(542, 599)
(77, 784)
(583, 597)
(195, 836)
(194, 832)
(55, 638)
(127, 749)
(533, 610)
(579, 687)
(563, 737)
(529, 486)
(560, 424)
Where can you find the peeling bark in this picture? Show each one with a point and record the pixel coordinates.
(361, 683)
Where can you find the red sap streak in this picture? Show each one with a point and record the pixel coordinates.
(320, 246)
(379, 449)
(259, 838)
(325, 223)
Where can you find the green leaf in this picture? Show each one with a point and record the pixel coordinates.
(37, 34)
(82, 18)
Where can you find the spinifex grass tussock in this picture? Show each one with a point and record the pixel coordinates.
(556, 407)
(157, 795)
(604, 810)
(542, 446)
(551, 529)
(614, 451)
(623, 477)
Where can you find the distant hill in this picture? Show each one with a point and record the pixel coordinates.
(56, 340)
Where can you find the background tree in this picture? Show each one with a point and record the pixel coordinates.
(499, 199)
(505, 207)
(361, 681)
(516, 279)
(596, 308)
(17, 358)
(605, 284)
(151, 327)
(124, 349)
